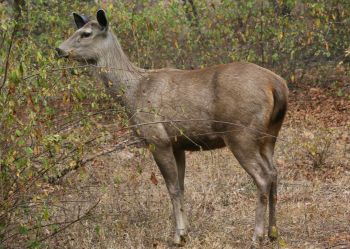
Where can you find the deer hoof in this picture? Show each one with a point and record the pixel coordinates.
(273, 233)
(180, 239)
(255, 246)
(257, 243)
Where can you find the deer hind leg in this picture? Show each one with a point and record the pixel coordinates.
(246, 149)
(166, 162)
(267, 151)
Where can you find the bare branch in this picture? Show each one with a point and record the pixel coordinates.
(120, 146)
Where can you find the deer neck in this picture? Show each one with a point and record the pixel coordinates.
(120, 76)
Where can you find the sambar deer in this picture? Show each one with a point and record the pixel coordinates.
(238, 105)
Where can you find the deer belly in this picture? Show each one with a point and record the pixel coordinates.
(196, 143)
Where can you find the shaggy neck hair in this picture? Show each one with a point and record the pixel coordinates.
(119, 75)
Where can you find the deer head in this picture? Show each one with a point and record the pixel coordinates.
(87, 42)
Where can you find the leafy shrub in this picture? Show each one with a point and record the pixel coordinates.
(317, 147)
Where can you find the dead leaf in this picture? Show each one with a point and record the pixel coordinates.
(154, 179)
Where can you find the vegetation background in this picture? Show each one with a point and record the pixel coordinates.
(58, 127)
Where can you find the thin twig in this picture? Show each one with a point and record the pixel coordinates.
(71, 223)
(75, 67)
(120, 146)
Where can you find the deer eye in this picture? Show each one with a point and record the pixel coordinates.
(86, 34)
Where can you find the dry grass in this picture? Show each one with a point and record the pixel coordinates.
(133, 212)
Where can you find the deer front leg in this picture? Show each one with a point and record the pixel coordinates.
(180, 158)
(164, 157)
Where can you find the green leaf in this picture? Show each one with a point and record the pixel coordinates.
(21, 142)
(14, 77)
(152, 147)
(20, 163)
(23, 230)
(18, 133)
(282, 243)
(29, 150)
(34, 244)
(46, 214)
(340, 93)
(97, 229)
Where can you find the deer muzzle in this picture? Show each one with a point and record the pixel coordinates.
(61, 53)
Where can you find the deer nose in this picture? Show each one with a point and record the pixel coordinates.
(61, 52)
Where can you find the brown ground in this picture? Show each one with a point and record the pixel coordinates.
(134, 211)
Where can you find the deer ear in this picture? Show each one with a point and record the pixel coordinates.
(102, 19)
(79, 20)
